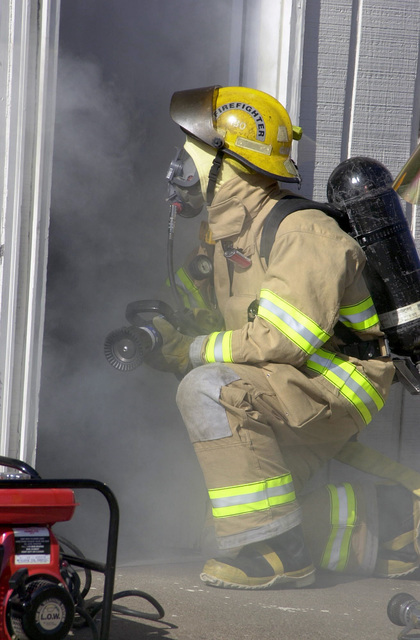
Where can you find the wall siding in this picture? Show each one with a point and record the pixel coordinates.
(360, 83)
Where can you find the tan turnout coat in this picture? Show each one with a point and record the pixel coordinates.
(314, 266)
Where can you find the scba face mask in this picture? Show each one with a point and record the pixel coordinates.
(184, 188)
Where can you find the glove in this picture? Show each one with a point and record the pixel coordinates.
(175, 351)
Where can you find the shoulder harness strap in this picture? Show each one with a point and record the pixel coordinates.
(287, 205)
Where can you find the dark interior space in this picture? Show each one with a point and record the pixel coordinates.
(119, 64)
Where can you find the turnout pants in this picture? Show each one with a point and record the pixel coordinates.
(255, 464)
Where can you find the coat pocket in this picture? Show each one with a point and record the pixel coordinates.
(300, 401)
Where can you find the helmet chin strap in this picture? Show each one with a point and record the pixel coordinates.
(213, 173)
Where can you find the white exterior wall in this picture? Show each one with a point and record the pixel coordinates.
(271, 55)
(28, 54)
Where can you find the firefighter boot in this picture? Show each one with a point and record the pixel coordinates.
(262, 565)
(399, 532)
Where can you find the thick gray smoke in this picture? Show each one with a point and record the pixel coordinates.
(114, 140)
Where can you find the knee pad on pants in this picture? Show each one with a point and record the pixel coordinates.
(198, 402)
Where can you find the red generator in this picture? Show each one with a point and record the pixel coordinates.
(35, 589)
(41, 593)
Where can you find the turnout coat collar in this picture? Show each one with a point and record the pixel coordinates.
(238, 200)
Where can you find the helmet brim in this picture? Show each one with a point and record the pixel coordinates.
(186, 105)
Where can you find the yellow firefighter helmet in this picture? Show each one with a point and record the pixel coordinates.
(246, 124)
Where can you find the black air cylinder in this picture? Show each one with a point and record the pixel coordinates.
(362, 187)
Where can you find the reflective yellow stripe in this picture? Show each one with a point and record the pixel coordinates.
(219, 347)
(353, 385)
(294, 324)
(255, 496)
(359, 316)
(343, 519)
(193, 292)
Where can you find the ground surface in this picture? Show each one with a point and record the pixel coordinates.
(333, 609)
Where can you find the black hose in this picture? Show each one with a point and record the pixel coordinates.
(13, 463)
(179, 306)
(185, 319)
(88, 574)
(94, 609)
(88, 620)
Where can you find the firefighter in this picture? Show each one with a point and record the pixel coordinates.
(269, 398)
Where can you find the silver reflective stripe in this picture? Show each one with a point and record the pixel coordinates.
(291, 322)
(218, 347)
(341, 373)
(341, 528)
(255, 496)
(355, 318)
